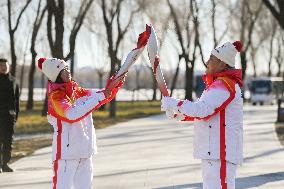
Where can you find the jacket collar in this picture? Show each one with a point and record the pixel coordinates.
(68, 88)
(233, 74)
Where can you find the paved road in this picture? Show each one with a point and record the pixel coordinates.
(157, 153)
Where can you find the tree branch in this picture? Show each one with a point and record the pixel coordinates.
(37, 23)
(254, 17)
(21, 13)
(177, 27)
(122, 32)
(50, 7)
(213, 22)
(271, 8)
(77, 25)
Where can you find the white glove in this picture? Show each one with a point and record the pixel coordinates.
(170, 114)
(179, 116)
(174, 115)
(169, 103)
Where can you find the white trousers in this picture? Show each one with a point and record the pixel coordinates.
(73, 174)
(212, 177)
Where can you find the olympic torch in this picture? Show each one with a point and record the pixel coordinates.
(129, 61)
(155, 61)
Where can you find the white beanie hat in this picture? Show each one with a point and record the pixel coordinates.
(227, 52)
(51, 67)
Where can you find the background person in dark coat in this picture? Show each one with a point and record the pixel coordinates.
(9, 109)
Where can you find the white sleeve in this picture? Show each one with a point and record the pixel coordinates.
(210, 100)
(84, 105)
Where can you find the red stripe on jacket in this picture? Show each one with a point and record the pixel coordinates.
(58, 152)
(223, 173)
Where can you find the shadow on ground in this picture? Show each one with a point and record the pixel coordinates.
(241, 183)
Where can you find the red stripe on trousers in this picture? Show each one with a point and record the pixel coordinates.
(58, 152)
(223, 149)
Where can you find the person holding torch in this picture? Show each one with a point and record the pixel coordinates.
(218, 118)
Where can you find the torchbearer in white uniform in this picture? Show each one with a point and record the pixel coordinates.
(218, 118)
(70, 110)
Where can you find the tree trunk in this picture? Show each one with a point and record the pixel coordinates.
(72, 65)
(22, 75)
(254, 68)
(279, 59)
(279, 68)
(13, 54)
(30, 103)
(188, 81)
(36, 26)
(44, 110)
(101, 80)
(271, 52)
(173, 86)
(244, 63)
(101, 75)
(277, 10)
(112, 111)
(12, 31)
(154, 87)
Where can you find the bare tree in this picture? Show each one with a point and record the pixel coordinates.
(273, 32)
(22, 73)
(175, 77)
(184, 35)
(248, 20)
(55, 16)
(55, 10)
(213, 20)
(112, 20)
(36, 26)
(101, 73)
(279, 57)
(254, 48)
(12, 31)
(184, 45)
(253, 55)
(160, 20)
(277, 10)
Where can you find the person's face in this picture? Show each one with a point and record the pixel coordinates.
(4, 69)
(214, 65)
(65, 75)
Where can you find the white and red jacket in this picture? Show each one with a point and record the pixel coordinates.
(70, 110)
(218, 118)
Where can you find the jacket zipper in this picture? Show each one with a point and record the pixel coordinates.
(209, 141)
(68, 139)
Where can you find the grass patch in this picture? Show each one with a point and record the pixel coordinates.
(279, 127)
(31, 122)
(25, 147)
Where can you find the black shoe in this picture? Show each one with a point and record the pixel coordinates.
(6, 168)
